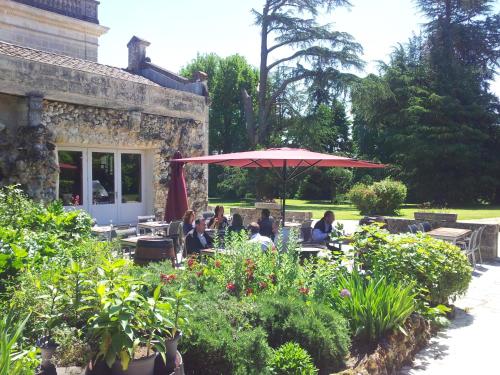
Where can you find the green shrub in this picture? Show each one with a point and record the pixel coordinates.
(373, 306)
(364, 198)
(222, 340)
(438, 270)
(291, 359)
(320, 330)
(390, 196)
(31, 232)
(383, 197)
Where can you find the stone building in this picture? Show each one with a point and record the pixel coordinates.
(95, 136)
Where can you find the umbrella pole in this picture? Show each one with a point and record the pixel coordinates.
(283, 199)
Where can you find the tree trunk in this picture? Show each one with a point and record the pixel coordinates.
(264, 73)
(249, 117)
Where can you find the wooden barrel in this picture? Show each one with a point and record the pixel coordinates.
(154, 249)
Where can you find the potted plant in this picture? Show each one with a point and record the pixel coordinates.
(128, 327)
(175, 333)
(52, 317)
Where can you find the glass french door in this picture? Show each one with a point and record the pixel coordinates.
(109, 184)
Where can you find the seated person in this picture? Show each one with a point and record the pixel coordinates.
(323, 227)
(188, 222)
(255, 237)
(219, 221)
(237, 224)
(266, 223)
(197, 239)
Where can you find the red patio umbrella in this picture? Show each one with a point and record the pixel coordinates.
(177, 203)
(292, 162)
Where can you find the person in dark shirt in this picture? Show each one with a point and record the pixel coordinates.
(323, 227)
(188, 222)
(197, 239)
(237, 224)
(219, 221)
(266, 223)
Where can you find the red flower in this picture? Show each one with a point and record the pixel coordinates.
(262, 285)
(199, 273)
(217, 263)
(249, 262)
(249, 291)
(304, 291)
(191, 262)
(250, 276)
(272, 277)
(166, 279)
(230, 287)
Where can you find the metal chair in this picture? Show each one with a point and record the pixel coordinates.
(176, 234)
(471, 247)
(479, 240)
(413, 228)
(426, 226)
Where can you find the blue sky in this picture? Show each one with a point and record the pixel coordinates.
(179, 29)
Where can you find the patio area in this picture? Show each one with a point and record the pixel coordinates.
(471, 338)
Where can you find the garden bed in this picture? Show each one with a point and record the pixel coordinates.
(243, 312)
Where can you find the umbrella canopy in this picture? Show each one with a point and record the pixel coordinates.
(280, 157)
(292, 162)
(177, 203)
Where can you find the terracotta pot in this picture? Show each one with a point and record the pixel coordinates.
(143, 366)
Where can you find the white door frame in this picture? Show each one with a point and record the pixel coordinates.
(119, 216)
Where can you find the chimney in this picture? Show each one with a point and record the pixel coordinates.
(136, 53)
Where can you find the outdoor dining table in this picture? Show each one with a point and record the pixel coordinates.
(449, 234)
(154, 226)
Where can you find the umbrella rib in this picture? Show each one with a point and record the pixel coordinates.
(294, 175)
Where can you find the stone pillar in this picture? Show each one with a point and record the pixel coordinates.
(36, 162)
(35, 108)
(136, 53)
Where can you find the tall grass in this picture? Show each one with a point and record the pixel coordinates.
(373, 307)
(10, 356)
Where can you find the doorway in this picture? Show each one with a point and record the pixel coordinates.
(109, 184)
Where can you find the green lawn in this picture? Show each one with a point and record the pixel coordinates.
(349, 212)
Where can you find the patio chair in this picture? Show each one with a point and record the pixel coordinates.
(413, 228)
(306, 230)
(176, 234)
(479, 241)
(426, 226)
(471, 247)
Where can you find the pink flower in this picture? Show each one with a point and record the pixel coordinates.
(199, 273)
(262, 285)
(344, 293)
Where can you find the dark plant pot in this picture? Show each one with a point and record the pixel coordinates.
(97, 368)
(47, 347)
(143, 366)
(171, 349)
(176, 368)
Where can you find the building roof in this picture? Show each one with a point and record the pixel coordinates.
(31, 54)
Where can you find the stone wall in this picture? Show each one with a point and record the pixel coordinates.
(489, 240)
(253, 214)
(82, 126)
